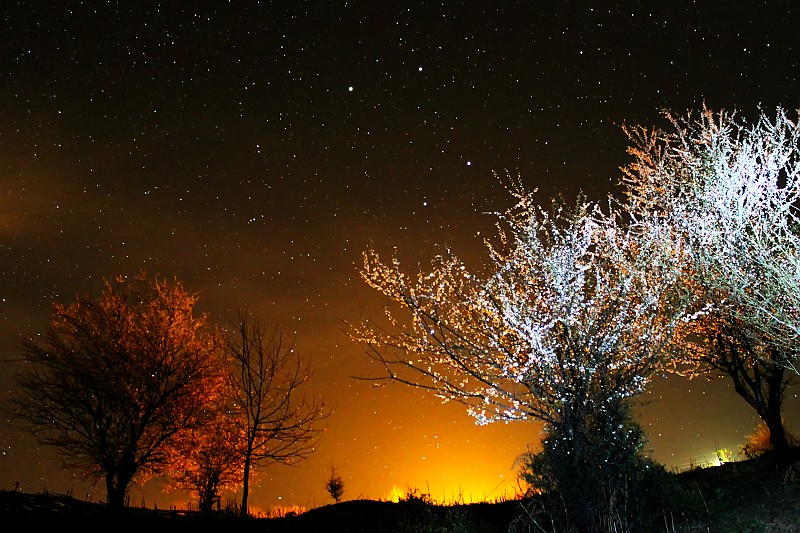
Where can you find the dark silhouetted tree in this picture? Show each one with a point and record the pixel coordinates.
(116, 377)
(279, 423)
(335, 486)
(719, 344)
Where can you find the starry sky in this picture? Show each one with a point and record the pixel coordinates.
(253, 150)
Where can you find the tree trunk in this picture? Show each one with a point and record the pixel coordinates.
(117, 489)
(772, 414)
(110, 490)
(243, 512)
(760, 381)
(777, 436)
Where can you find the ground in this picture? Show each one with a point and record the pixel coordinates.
(738, 497)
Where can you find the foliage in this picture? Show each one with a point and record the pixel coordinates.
(748, 496)
(601, 466)
(283, 511)
(335, 486)
(421, 515)
(117, 377)
(208, 460)
(728, 192)
(279, 424)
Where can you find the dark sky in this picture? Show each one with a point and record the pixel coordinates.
(253, 150)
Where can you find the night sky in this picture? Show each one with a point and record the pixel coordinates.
(254, 150)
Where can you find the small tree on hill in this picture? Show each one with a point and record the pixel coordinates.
(335, 486)
(209, 460)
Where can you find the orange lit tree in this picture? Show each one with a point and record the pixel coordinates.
(116, 378)
(209, 460)
(572, 320)
(729, 190)
(278, 422)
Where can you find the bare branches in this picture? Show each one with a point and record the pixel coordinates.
(279, 423)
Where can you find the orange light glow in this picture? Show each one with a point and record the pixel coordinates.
(395, 494)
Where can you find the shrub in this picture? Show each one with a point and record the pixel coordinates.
(335, 486)
(594, 476)
(757, 443)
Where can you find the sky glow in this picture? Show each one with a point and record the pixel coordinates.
(254, 152)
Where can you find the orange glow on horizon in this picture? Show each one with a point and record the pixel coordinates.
(464, 493)
(395, 494)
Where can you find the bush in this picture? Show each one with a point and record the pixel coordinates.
(335, 486)
(757, 443)
(593, 476)
(422, 515)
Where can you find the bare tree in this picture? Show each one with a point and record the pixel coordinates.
(572, 319)
(116, 378)
(729, 190)
(280, 424)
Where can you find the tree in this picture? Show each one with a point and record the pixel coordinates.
(730, 191)
(117, 378)
(335, 486)
(571, 320)
(209, 460)
(722, 344)
(610, 459)
(279, 424)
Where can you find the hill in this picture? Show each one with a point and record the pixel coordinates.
(746, 496)
(756, 495)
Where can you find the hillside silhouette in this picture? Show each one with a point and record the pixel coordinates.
(754, 495)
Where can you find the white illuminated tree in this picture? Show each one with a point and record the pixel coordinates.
(577, 308)
(572, 319)
(729, 190)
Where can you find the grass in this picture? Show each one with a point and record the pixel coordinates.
(755, 495)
